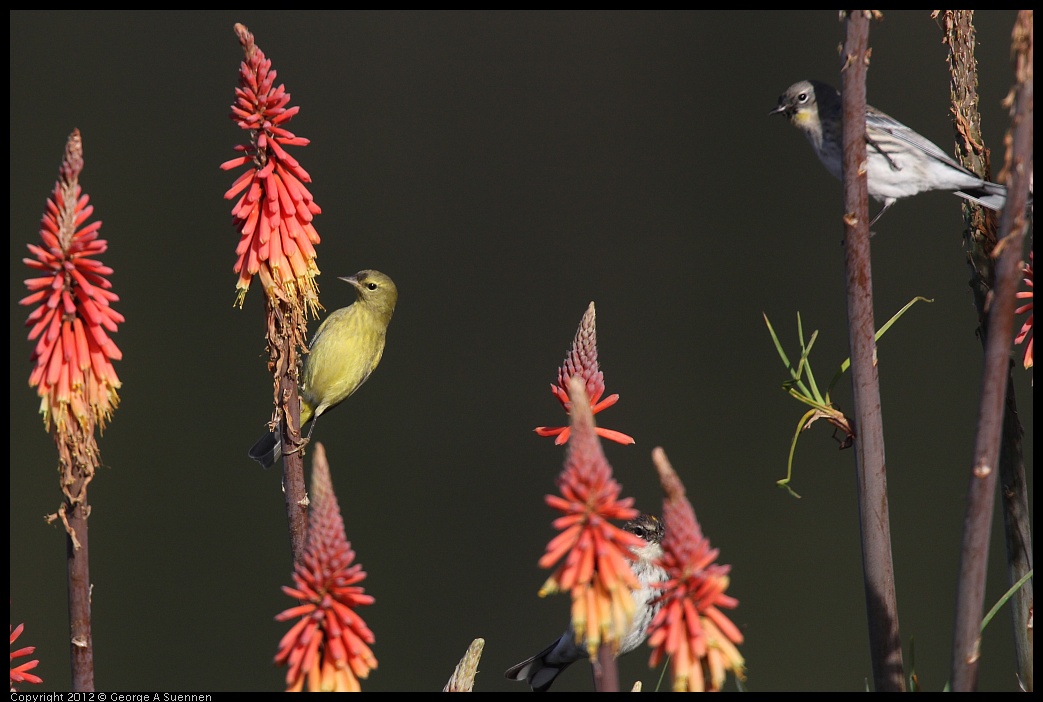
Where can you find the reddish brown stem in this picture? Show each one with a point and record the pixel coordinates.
(999, 327)
(81, 644)
(871, 470)
(606, 672)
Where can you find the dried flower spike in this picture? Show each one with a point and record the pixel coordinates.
(462, 679)
(582, 362)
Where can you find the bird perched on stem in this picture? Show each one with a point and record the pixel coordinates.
(900, 162)
(542, 669)
(342, 355)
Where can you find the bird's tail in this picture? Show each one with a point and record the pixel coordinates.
(268, 449)
(990, 195)
(538, 671)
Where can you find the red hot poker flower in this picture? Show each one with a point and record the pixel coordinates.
(1026, 329)
(328, 646)
(593, 555)
(690, 627)
(582, 362)
(19, 673)
(73, 355)
(275, 210)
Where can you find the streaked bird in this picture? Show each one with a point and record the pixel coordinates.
(541, 670)
(341, 356)
(900, 162)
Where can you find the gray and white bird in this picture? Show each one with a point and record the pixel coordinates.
(899, 162)
(542, 669)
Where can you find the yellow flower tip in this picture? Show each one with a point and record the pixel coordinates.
(240, 294)
(551, 587)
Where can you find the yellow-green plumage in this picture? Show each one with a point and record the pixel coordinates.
(342, 355)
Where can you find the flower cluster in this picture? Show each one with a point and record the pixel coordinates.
(582, 362)
(73, 355)
(1025, 334)
(274, 211)
(593, 555)
(690, 627)
(329, 645)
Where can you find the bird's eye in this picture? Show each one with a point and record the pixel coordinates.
(371, 286)
(639, 531)
(803, 97)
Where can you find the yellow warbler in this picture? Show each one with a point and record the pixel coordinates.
(342, 354)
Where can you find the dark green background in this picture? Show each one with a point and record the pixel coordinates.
(505, 169)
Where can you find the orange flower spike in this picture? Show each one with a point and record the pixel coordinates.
(328, 648)
(592, 555)
(1025, 333)
(690, 627)
(582, 362)
(72, 370)
(274, 210)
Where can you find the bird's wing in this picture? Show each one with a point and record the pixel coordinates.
(878, 120)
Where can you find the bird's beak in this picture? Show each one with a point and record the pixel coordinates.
(780, 108)
(350, 279)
